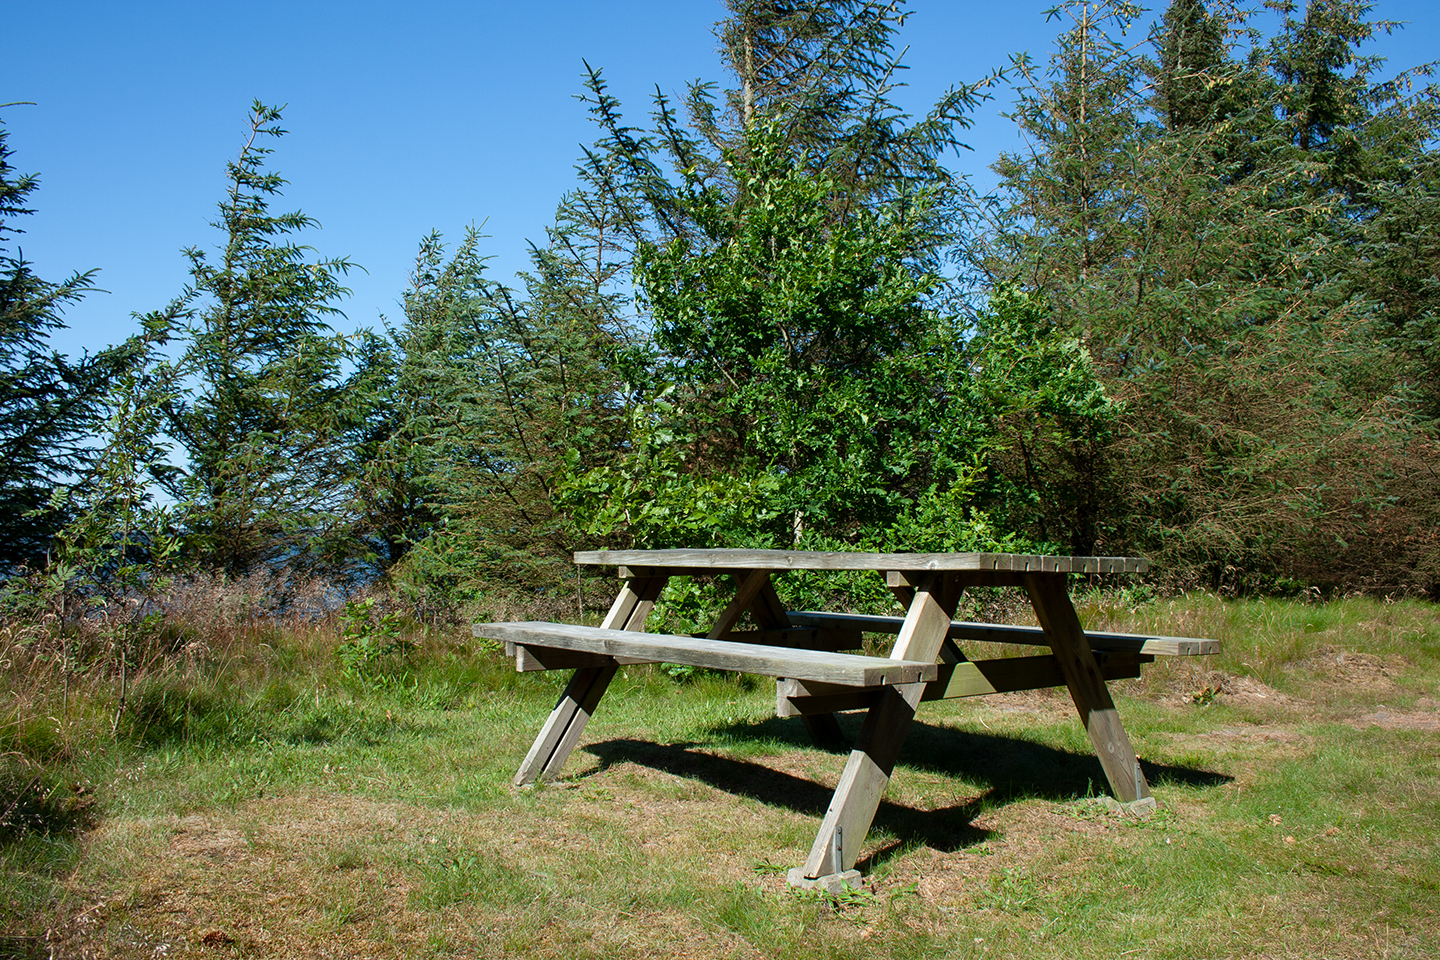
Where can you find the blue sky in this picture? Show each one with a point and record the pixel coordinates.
(404, 117)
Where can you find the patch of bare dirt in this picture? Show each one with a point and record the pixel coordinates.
(670, 933)
(1221, 687)
(201, 837)
(1353, 670)
(1022, 835)
(1248, 735)
(1048, 702)
(1425, 716)
(267, 878)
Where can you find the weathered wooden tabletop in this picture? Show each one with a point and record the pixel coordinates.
(833, 560)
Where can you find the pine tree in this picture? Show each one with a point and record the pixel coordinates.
(49, 404)
(492, 393)
(1202, 235)
(263, 419)
(825, 72)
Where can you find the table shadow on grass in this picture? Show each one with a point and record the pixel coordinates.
(1006, 769)
(1016, 767)
(944, 828)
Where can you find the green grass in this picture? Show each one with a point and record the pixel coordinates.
(263, 802)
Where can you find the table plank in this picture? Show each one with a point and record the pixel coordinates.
(705, 560)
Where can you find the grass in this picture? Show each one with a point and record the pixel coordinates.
(255, 800)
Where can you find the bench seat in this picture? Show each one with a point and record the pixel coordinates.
(843, 669)
(1033, 636)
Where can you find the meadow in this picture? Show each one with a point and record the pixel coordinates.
(287, 786)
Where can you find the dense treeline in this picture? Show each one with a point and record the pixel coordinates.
(1197, 320)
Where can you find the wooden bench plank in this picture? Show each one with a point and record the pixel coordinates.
(529, 659)
(846, 669)
(1033, 636)
(972, 678)
(808, 638)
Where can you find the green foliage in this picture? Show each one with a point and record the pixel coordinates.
(799, 373)
(655, 495)
(488, 394)
(263, 417)
(1192, 60)
(774, 280)
(120, 544)
(370, 638)
(1197, 321)
(1194, 224)
(1050, 420)
(48, 402)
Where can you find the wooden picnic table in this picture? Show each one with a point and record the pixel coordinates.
(815, 677)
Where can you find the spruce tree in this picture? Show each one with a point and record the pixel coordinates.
(1193, 65)
(1204, 235)
(490, 394)
(263, 418)
(49, 404)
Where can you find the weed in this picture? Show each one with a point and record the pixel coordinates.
(1013, 892)
(852, 896)
(370, 638)
(1205, 695)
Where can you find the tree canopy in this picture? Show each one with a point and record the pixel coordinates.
(1196, 320)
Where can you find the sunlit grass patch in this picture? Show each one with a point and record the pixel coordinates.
(265, 798)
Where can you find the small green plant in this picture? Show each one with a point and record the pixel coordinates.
(369, 638)
(1205, 695)
(852, 896)
(1013, 892)
(680, 672)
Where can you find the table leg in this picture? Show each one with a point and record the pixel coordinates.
(769, 614)
(582, 694)
(857, 797)
(749, 585)
(1087, 687)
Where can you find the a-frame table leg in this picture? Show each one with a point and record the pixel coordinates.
(1087, 687)
(857, 796)
(582, 694)
(769, 614)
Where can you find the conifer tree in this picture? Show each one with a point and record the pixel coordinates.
(1193, 62)
(263, 418)
(1203, 241)
(49, 404)
(491, 394)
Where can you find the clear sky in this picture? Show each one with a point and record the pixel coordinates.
(404, 117)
